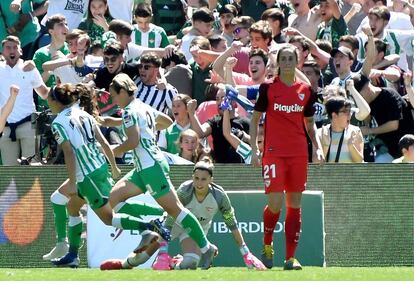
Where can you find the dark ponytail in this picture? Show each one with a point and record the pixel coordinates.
(67, 94)
(87, 99)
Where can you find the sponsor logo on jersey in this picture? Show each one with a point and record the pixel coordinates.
(287, 108)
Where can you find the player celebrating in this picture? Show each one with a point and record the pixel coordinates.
(151, 169)
(287, 102)
(204, 198)
(77, 133)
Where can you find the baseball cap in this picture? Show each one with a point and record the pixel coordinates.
(124, 81)
(344, 50)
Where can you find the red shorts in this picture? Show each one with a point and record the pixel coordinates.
(285, 174)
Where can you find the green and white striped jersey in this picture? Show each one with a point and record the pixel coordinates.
(399, 42)
(168, 138)
(78, 127)
(245, 151)
(155, 37)
(142, 116)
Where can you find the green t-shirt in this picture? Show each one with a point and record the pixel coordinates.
(333, 30)
(40, 57)
(31, 30)
(168, 138)
(198, 84)
(94, 31)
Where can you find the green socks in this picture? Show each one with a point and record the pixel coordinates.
(190, 223)
(75, 232)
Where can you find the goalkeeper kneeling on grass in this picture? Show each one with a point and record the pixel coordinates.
(204, 198)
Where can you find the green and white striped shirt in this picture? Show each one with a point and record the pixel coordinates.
(245, 151)
(138, 114)
(78, 127)
(155, 37)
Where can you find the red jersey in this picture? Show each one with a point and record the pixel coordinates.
(285, 107)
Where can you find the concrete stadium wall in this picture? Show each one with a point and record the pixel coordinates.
(369, 210)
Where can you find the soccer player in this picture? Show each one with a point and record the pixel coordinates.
(8, 106)
(205, 199)
(151, 169)
(288, 105)
(77, 133)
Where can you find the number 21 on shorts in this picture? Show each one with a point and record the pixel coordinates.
(269, 171)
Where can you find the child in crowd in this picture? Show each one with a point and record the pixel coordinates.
(189, 145)
(97, 20)
(168, 138)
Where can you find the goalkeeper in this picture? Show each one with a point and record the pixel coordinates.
(204, 198)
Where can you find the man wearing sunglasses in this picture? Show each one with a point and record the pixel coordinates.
(153, 89)
(113, 64)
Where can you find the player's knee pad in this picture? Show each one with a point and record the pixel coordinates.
(58, 198)
(190, 261)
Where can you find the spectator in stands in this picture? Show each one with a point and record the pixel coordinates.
(18, 138)
(7, 108)
(97, 20)
(169, 14)
(341, 141)
(392, 116)
(202, 21)
(167, 139)
(21, 20)
(188, 143)
(149, 87)
(218, 43)
(227, 13)
(122, 31)
(201, 67)
(406, 145)
(178, 73)
(145, 33)
(57, 28)
(399, 41)
(241, 34)
(223, 151)
(121, 9)
(72, 68)
(285, 150)
(113, 64)
(234, 136)
(333, 25)
(304, 19)
(276, 20)
(73, 11)
(261, 36)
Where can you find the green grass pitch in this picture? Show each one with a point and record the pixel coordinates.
(215, 274)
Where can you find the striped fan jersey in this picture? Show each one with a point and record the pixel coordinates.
(155, 37)
(142, 116)
(160, 100)
(78, 127)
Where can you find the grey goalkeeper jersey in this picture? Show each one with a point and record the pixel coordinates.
(215, 201)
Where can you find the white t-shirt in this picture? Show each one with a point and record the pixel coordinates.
(27, 81)
(121, 9)
(397, 21)
(73, 10)
(185, 46)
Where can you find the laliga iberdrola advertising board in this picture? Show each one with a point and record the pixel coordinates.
(107, 242)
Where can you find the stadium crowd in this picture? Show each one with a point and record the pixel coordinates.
(202, 66)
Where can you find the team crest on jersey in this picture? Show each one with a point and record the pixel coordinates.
(301, 96)
(128, 119)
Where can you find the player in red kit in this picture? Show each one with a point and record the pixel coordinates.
(288, 104)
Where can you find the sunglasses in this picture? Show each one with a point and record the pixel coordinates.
(238, 30)
(110, 59)
(145, 66)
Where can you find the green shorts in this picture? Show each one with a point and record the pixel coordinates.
(154, 179)
(96, 186)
